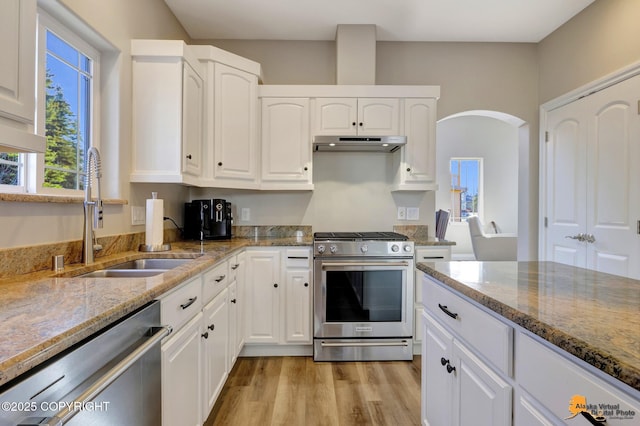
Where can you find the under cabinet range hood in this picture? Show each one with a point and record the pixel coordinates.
(358, 143)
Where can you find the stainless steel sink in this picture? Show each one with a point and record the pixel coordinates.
(151, 264)
(140, 268)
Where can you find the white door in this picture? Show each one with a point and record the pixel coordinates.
(215, 335)
(592, 181)
(437, 382)
(192, 124)
(566, 186)
(419, 153)
(613, 176)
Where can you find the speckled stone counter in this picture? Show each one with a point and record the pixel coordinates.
(43, 313)
(591, 315)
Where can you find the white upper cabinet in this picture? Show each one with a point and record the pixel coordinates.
(351, 116)
(416, 166)
(18, 77)
(168, 94)
(235, 126)
(231, 147)
(286, 144)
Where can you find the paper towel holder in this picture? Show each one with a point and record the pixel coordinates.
(161, 247)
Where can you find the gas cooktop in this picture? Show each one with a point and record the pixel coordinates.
(359, 236)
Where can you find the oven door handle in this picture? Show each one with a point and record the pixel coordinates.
(71, 409)
(342, 264)
(346, 344)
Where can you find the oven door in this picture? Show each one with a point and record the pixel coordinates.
(363, 298)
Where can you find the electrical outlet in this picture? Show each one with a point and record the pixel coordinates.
(245, 214)
(138, 215)
(413, 213)
(402, 213)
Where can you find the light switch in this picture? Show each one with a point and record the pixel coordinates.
(413, 213)
(245, 214)
(138, 215)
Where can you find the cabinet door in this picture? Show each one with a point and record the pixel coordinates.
(216, 333)
(235, 128)
(192, 124)
(481, 397)
(286, 140)
(378, 116)
(17, 68)
(298, 306)
(336, 116)
(420, 151)
(437, 382)
(181, 378)
(262, 312)
(232, 349)
(241, 301)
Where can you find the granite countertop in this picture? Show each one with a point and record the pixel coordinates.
(43, 313)
(592, 315)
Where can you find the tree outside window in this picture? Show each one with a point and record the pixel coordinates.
(67, 114)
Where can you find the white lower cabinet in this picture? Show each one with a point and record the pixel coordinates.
(215, 349)
(198, 355)
(278, 296)
(457, 387)
(550, 383)
(181, 375)
(263, 291)
(482, 369)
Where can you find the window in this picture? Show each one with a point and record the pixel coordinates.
(67, 80)
(465, 188)
(66, 114)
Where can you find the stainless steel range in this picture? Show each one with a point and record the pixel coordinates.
(363, 296)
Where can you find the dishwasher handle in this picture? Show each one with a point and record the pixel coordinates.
(64, 415)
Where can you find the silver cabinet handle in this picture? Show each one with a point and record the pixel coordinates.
(64, 415)
(362, 344)
(341, 264)
(590, 238)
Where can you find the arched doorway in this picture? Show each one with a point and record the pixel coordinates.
(482, 159)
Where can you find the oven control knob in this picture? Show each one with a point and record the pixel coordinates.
(407, 248)
(320, 249)
(395, 248)
(333, 249)
(364, 248)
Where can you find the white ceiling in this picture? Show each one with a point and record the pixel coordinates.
(396, 20)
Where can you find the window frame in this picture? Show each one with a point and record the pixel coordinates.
(22, 177)
(35, 164)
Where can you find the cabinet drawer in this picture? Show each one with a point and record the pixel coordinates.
(554, 380)
(435, 254)
(298, 258)
(181, 305)
(490, 337)
(214, 281)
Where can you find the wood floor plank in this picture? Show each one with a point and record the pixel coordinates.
(296, 391)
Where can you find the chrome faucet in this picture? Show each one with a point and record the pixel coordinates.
(92, 209)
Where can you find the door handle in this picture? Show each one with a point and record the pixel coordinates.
(582, 237)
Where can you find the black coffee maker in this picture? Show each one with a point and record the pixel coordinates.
(207, 220)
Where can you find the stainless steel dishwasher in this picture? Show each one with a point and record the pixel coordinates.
(111, 378)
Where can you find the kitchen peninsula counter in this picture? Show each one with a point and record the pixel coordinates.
(44, 313)
(591, 315)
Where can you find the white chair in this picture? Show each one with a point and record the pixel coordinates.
(491, 246)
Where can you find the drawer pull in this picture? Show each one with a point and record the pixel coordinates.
(444, 361)
(220, 278)
(234, 267)
(450, 368)
(447, 311)
(211, 327)
(233, 300)
(189, 302)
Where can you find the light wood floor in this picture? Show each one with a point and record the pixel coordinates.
(297, 391)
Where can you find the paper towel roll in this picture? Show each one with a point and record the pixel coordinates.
(154, 222)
